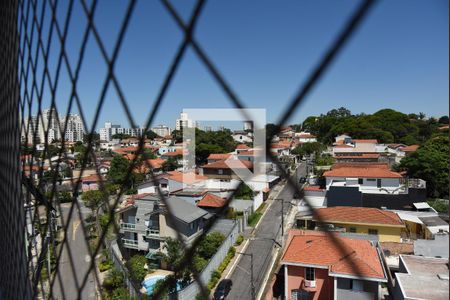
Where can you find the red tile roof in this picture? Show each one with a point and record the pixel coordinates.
(410, 148)
(315, 188)
(242, 147)
(177, 152)
(358, 215)
(362, 155)
(361, 171)
(140, 196)
(93, 178)
(156, 162)
(211, 200)
(306, 136)
(187, 178)
(222, 165)
(350, 257)
(219, 156)
(365, 141)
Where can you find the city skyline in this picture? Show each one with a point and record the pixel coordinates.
(388, 63)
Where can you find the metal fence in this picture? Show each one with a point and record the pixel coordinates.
(26, 79)
(192, 290)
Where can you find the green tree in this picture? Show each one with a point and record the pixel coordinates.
(119, 170)
(244, 192)
(121, 293)
(170, 164)
(444, 120)
(114, 279)
(95, 199)
(120, 136)
(308, 149)
(431, 163)
(95, 138)
(150, 134)
(177, 136)
(209, 245)
(148, 154)
(136, 267)
(271, 130)
(202, 151)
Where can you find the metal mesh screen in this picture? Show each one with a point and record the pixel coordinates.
(38, 257)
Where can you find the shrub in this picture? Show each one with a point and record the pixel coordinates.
(201, 297)
(136, 267)
(209, 245)
(254, 218)
(215, 276)
(239, 239)
(105, 265)
(113, 280)
(199, 263)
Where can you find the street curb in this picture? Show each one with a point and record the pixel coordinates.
(244, 247)
(267, 276)
(267, 208)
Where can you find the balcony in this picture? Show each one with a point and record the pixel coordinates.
(152, 232)
(127, 227)
(130, 243)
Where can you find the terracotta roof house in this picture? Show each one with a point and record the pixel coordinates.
(409, 149)
(211, 203)
(361, 171)
(221, 169)
(242, 147)
(386, 225)
(213, 157)
(318, 266)
(371, 185)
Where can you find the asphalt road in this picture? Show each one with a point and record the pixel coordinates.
(67, 284)
(261, 247)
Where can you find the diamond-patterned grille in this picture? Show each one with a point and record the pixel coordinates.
(35, 61)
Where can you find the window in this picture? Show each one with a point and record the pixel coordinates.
(352, 229)
(220, 171)
(360, 181)
(373, 231)
(378, 183)
(309, 274)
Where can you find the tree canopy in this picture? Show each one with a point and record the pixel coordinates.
(386, 125)
(308, 149)
(431, 163)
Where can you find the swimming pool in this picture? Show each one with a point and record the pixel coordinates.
(150, 282)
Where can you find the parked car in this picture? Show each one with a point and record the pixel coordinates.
(302, 180)
(222, 290)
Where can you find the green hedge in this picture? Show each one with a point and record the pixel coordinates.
(239, 240)
(216, 274)
(105, 265)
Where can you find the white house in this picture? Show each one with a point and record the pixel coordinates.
(305, 137)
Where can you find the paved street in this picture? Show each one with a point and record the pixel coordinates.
(261, 247)
(66, 287)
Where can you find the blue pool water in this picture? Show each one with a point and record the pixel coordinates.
(150, 282)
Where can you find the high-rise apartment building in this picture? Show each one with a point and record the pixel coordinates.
(185, 122)
(162, 130)
(107, 132)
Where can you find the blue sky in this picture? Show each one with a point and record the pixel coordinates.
(397, 59)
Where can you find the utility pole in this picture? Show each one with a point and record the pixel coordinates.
(252, 281)
(282, 217)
